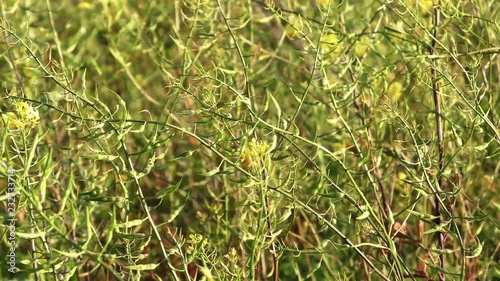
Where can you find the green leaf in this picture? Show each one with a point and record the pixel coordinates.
(280, 157)
(69, 254)
(425, 217)
(363, 216)
(106, 199)
(211, 172)
(150, 266)
(131, 223)
(226, 172)
(444, 251)
(122, 109)
(476, 250)
(482, 147)
(179, 209)
(332, 195)
(30, 235)
(168, 190)
(132, 236)
(182, 155)
(277, 105)
(274, 143)
(47, 173)
(101, 157)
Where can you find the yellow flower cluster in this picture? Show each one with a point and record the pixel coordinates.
(361, 46)
(197, 243)
(24, 116)
(294, 27)
(323, 4)
(394, 91)
(425, 7)
(232, 256)
(330, 46)
(254, 154)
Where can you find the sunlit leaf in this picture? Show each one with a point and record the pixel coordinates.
(162, 193)
(179, 209)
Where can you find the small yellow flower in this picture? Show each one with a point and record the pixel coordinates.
(330, 45)
(394, 91)
(34, 118)
(294, 26)
(85, 6)
(27, 113)
(254, 154)
(24, 115)
(195, 238)
(232, 256)
(190, 249)
(323, 4)
(23, 109)
(425, 7)
(10, 119)
(361, 46)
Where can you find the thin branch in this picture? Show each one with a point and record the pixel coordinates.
(439, 131)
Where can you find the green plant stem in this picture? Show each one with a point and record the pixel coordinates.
(439, 131)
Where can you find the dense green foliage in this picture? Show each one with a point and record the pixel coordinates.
(250, 140)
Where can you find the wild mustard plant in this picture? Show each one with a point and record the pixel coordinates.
(219, 69)
(256, 159)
